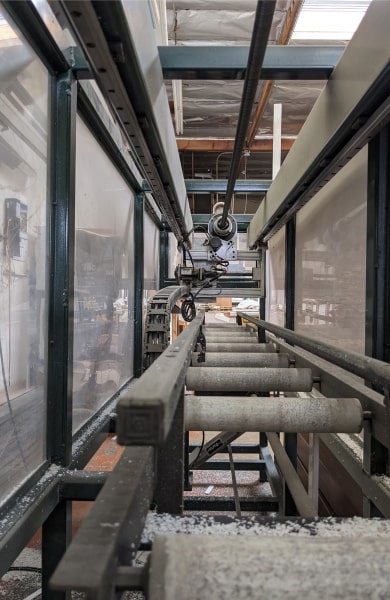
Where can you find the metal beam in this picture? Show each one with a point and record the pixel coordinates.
(224, 62)
(338, 383)
(343, 119)
(138, 283)
(26, 17)
(111, 532)
(220, 185)
(127, 87)
(207, 145)
(146, 411)
(27, 515)
(62, 243)
(372, 370)
(302, 501)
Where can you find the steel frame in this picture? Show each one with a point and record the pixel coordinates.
(344, 118)
(241, 186)
(224, 62)
(43, 500)
(310, 353)
(377, 454)
(96, 25)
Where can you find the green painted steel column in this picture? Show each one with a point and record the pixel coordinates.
(56, 537)
(138, 282)
(57, 528)
(376, 456)
(61, 288)
(164, 256)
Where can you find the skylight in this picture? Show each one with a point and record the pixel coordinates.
(329, 19)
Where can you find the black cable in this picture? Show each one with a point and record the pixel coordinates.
(190, 255)
(27, 569)
(188, 309)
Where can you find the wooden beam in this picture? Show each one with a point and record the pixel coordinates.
(207, 145)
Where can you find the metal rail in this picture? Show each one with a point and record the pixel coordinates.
(371, 369)
(146, 411)
(118, 516)
(302, 501)
(262, 25)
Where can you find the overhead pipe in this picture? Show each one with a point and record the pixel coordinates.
(261, 28)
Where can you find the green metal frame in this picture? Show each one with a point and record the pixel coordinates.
(224, 62)
(376, 454)
(138, 282)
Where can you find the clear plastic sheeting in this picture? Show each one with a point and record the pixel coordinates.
(331, 259)
(275, 279)
(104, 279)
(23, 259)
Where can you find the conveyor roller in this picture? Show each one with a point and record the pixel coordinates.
(252, 567)
(232, 379)
(239, 347)
(241, 359)
(310, 415)
(235, 339)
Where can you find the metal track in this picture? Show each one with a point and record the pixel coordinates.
(157, 322)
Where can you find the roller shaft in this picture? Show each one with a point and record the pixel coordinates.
(310, 415)
(233, 347)
(241, 359)
(231, 379)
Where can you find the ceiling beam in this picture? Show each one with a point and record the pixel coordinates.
(230, 62)
(207, 145)
(243, 186)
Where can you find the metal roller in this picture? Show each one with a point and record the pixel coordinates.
(241, 359)
(232, 379)
(233, 347)
(233, 334)
(227, 339)
(304, 415)
(257, 566)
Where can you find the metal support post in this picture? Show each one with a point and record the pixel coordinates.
(170, 466)
(187, 473)
(290, 439)
(260, 331)
(61, 296)
(376, 455)
(56, 537)
(164, 255)
(314, 461)
(138, 282)
(60, 355)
